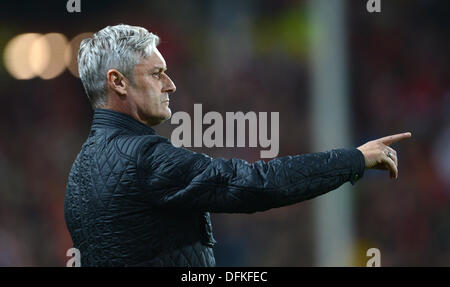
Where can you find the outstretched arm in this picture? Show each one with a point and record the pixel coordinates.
(173, 177)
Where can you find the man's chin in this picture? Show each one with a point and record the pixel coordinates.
(164, 118)
(156, 120)
(168, 115)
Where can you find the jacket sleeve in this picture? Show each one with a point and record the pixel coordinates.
(179, 178)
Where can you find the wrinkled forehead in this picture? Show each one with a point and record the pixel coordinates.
(155, 59)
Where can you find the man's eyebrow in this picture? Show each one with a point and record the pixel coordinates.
(160, 68)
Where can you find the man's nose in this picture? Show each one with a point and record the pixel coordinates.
(169, 86)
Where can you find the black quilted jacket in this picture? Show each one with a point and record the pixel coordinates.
(134, 199)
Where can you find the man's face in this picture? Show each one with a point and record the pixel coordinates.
(150, 90)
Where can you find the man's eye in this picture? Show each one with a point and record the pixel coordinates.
(157, 75)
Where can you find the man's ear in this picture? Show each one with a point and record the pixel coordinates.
(117, 82)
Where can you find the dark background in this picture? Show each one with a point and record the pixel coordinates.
(245, 56)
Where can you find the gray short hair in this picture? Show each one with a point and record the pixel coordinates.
(118, 47)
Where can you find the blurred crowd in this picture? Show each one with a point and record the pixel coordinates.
(401, 81)
(251, 56)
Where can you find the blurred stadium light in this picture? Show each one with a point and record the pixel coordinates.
(56, 45)
(17, 56)
(46, 56)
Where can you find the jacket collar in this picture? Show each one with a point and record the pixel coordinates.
(110, 118)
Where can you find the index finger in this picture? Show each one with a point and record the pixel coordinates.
(394, 138)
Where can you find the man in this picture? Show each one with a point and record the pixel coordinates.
(134, 199)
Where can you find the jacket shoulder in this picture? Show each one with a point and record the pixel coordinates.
(131, 146)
